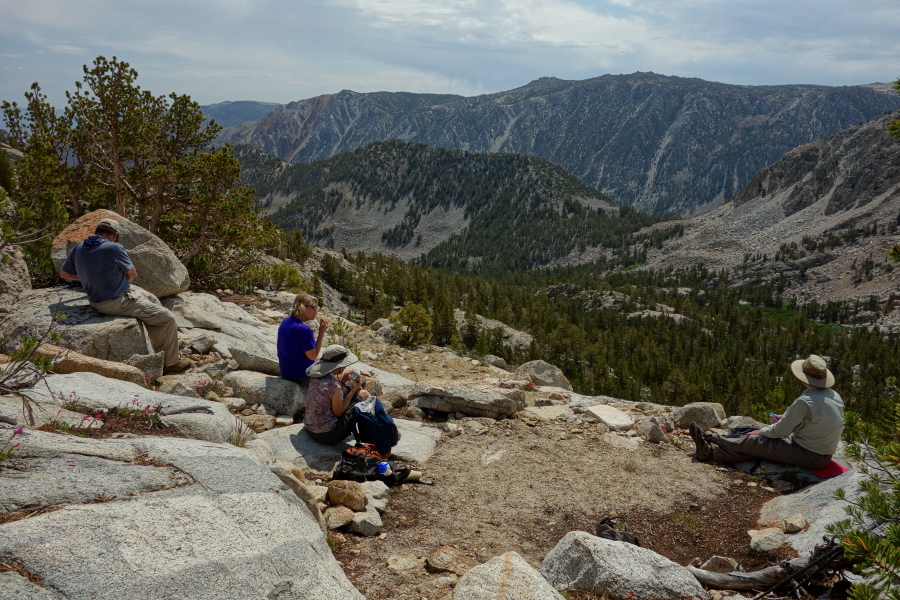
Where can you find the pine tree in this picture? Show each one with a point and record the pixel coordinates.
(871, 536)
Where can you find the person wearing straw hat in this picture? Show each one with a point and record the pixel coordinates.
(328, 419)
(806, 435)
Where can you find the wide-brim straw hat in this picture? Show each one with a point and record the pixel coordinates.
(333, 357)
(813, 371)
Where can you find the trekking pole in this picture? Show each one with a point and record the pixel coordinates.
(819, 563)
(824, 560)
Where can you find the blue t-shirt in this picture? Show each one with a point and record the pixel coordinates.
(101, 266)
(295, 338)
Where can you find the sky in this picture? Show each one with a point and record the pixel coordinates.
(286, 50)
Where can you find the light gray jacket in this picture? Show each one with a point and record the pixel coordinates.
(816, 420)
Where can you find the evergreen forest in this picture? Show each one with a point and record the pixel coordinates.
(719, 344)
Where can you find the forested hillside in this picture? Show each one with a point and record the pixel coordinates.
(485, 213)
(669, 337)
(665, 145)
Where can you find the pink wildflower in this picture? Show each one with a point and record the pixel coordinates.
(16, 446)
(97, 416)
(18, 431)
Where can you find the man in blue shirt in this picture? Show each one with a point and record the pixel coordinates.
(105, 271)
(297, 347)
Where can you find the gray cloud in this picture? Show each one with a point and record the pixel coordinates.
(276, 50)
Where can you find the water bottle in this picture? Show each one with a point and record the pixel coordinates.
(384, 468)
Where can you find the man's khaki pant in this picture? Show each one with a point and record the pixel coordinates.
(751, 447)
(160, 323)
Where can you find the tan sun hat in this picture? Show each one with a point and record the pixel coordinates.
(333, 357)
(813, 371)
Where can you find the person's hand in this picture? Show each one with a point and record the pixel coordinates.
(323, 325)
(773, 418)
(754, 432)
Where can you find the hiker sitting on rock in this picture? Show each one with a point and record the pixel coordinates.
(328, 419)
(298, 349)
(105, 271)
(806, 435)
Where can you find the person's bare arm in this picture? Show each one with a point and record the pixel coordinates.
(323, 327)
(68, 276)
(339, 404)
(131, 274)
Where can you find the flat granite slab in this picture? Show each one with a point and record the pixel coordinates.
(293, 444)
(547, 413)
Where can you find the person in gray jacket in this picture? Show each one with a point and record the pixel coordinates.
(806, 435)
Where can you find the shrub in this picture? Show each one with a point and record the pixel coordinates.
(413, 325)
(239, 434)
(871, 534)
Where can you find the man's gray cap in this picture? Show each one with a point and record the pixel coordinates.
(109, 223)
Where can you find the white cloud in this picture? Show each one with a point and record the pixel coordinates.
(281, 51)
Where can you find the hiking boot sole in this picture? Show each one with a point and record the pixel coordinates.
(703, 447)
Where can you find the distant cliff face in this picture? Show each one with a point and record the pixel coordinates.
(665, 145)
(823, 216)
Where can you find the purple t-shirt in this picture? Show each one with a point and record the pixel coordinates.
(295, 338)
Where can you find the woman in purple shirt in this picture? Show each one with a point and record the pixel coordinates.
(297, 347)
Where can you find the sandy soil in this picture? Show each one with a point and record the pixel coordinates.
(523, 484)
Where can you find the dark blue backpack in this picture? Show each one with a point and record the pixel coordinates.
(374, 426)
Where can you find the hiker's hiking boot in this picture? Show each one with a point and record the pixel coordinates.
(702, 445)
(180, 367)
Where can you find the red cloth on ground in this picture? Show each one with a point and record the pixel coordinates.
(832, 469)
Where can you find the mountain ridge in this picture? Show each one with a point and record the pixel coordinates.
(822, 216)
(450, 208)
(662, 144)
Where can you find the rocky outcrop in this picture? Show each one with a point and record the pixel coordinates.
(705, 414)
(467, 400)
(203, 419)
(505, 577)
(82, 329)
(13, 276)
(158, 269)
(612, 417)
(232, 325)
(543, 373)
(848, 180)
(511, 337)
(816, 505)
(161, 518)
(249, 361)
(283, 396)
(581, 561)
(68, 361)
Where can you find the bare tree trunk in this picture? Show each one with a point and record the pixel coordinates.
(735, 580)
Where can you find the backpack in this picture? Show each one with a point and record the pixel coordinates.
(606, 529)
(360, 463)
(372, 425)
